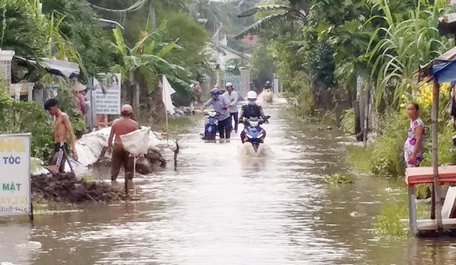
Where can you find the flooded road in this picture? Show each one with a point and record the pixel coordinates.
(222, 208)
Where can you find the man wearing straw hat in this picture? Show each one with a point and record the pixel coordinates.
(120, 157)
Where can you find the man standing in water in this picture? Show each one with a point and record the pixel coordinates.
(233, 98)
(120, 157)
(413, 146)
(220, 104)
(62, 129)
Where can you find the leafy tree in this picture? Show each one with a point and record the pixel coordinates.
(189, 35)
(263, 67)
(79, 29)
(142, 63)
(23, 28)
(137, 19)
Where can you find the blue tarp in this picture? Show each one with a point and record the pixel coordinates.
(444, 71)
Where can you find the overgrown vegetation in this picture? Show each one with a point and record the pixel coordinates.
(30, 117)
(337, 179)
(392, 222)
(171, 43)
(348, 121)
(359, 158)
(387, 151)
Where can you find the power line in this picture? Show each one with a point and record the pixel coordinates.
(135, 7)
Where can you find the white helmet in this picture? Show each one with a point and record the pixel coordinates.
(251, 95)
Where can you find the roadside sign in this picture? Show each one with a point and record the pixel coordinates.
(15, 187)
(107, 93)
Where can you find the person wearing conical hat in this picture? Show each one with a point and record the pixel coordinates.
(79, 94)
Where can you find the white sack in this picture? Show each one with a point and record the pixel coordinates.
(136, 142)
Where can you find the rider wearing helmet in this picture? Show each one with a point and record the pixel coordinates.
(251, 109)
(220, 105)
(268, 85)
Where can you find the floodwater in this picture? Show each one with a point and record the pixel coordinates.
(223, 208)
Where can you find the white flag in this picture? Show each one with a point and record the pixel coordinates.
(166, 95)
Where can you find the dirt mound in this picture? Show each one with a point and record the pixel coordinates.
(67, 188)
(146, 165)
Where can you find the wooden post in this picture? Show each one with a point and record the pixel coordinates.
(366, 114)
(412, 210)
(435, 161)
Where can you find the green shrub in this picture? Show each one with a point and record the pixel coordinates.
(388, 223)
(392, 221)
(337, 179)
(423, 191)
(30, 117)
(446, 155)
(387, 152)
(299, 89)
(348, 121)
(359, 158)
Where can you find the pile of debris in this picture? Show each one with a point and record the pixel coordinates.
(152, 161)
(65, 187)
(73, 187)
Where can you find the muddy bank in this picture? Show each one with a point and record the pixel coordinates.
(67, 188)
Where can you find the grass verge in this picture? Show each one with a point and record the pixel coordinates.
(392, 222)
(359, 158)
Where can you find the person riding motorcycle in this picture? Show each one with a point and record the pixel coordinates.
(220, 105)
(268, 85)
(249, 110)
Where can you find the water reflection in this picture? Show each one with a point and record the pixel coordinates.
(15, 244)
(224, 208)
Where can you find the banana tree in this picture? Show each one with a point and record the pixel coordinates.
(144, 62)
(294, 10)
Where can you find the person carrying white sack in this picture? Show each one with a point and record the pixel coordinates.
(121, 157)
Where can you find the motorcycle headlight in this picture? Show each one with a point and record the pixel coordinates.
(254, 123)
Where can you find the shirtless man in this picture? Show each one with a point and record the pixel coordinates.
(62, 129)
(120, 157)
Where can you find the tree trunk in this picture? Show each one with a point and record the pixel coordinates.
(136, 105)
(134, 88)
(152, 16)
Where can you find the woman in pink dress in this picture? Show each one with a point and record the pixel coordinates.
(413, 146)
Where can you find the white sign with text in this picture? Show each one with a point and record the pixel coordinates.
(107, 93)
(15, 194)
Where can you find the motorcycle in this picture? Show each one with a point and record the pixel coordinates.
(253, 132)
(210, 128)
